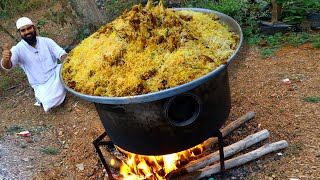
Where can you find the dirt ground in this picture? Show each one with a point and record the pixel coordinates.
(60, 146)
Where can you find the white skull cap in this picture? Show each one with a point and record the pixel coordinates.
(23, 22)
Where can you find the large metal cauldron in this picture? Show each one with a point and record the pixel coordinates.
(171, 120)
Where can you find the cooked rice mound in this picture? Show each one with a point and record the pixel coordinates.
(148, 49)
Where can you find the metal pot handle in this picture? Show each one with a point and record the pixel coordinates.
(183, 109)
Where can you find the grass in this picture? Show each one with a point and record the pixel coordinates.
(11, 8)
(41, 129)
(272, 43)
(312, 99)
(115, 8)
(6, 80)
(50, 151)
(295, 149)
(15, 129)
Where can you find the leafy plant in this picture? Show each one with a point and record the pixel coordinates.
(15, 129)
(50, 151)
(83, 33)
(10, 8)
(295, 149)
(41, 129)
(316, 45)
(311, 4)
(7, 81)
(273, 42)
(115, 7)
(297, 39)
(243, 11)
(312, 99)
(40, 25)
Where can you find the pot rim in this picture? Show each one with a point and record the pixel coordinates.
(154, 96)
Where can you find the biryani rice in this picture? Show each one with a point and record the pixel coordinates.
(147, 50)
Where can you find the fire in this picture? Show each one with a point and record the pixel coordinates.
(139, 167)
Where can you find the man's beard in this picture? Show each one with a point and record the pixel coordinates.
(30, 40)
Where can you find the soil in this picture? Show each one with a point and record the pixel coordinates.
(60, 145)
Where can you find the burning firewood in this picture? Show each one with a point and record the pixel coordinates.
(213, 157)
(237, 161)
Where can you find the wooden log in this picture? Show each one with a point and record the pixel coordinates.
(237, 161)
(111, 160)
(213, 157)
(229, 128)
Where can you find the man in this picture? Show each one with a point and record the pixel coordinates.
(38, 57)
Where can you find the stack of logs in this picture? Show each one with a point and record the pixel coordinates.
(205, 166)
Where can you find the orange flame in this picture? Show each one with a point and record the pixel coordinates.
(139, 167)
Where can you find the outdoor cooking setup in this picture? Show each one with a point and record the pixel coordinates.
(175, 119)
(171, 120)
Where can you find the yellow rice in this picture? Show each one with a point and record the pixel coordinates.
(147, 50)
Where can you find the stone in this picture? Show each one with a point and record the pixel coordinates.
(80, 167)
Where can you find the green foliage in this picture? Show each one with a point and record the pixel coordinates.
(273, 42)
(316, 42)
(10, 8)
(296, 39)
(268, 51)
(295, 149)
(58, 17)
(115, 8)
(310, 4)
(15, 129)
(243, 11)
(312, 99)
(7, 81)
(293, 12)
(316, 45)
(50, 151)
(83, 33)
(41, 129)
(40, 25)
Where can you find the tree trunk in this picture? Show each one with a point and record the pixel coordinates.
(276, 11)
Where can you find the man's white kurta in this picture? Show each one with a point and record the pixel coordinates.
(41, 67)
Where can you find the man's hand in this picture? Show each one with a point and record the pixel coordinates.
(63, 57)
(6, 56)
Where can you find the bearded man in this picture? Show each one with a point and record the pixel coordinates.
(38, 57)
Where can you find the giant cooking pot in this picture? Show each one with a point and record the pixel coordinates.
(170, 120)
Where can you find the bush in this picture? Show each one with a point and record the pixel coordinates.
(10, 8)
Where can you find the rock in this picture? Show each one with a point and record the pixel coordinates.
(273, 176)
(56, 164)
(60, 133)
(25, 159)
(66, 146)
(29, 140)
(80, 167)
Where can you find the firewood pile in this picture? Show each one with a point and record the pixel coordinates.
(207, 163)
